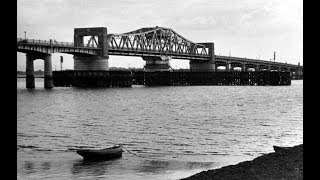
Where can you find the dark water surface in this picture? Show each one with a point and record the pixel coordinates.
(173, 132)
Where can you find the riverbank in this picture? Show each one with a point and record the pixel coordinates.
(283, 164)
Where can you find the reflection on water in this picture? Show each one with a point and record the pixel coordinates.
(90, 168)
(159, 166)
(153, 166)
(199, 165)
(29, 167)
(45, 166)
(140, 166)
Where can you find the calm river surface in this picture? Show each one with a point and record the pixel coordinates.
(171, 132)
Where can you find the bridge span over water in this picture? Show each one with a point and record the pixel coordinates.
(156, 45)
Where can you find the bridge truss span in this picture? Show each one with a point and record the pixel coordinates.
(155, 41)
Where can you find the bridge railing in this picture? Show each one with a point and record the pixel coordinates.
(62, 43)
(44, 42)
(254, 61)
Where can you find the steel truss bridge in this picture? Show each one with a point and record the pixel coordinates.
(144, 42)
(155, 42)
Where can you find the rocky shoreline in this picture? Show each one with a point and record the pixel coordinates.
(285, 163)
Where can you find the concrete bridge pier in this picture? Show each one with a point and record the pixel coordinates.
(232, 66)
(243, 68)
(156, 63)
(29, 72)
(48, 80)
(227, 66)
(268, 68)
(299, 71)
(215, 67)
(274, 68)
(292, 72)
(256, 68)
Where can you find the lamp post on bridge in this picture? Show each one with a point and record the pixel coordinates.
(25, 34)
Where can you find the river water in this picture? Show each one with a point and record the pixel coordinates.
(171, 132)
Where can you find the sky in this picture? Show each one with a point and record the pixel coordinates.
(246, 28)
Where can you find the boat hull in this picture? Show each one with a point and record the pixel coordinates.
(101, 154)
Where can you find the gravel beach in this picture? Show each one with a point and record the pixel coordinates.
(283, 164)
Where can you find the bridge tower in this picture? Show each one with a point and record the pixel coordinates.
(204, 65)
(85, 62)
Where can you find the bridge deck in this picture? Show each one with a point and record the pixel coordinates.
(53, 46)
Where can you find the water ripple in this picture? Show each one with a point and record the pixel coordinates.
(187, 123)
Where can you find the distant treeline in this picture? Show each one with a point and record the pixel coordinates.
(39, 72)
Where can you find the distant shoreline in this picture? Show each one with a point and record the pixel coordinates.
(24, 76)
(41, 76)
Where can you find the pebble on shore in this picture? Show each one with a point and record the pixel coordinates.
(286, 163)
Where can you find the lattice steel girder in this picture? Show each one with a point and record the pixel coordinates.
(148, 53)
(156, 40)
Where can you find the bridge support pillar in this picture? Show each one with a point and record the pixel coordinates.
(299, 72)
(228, 67)
(48, 80)
(256, 68)
(243, 68)
(156, 63)
(91, 63)
(292, 74)
(29, 72)
(269, 68)
(232, 67)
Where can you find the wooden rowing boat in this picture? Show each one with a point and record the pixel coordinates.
(101, 154)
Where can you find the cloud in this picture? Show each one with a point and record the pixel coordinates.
(231, 24)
